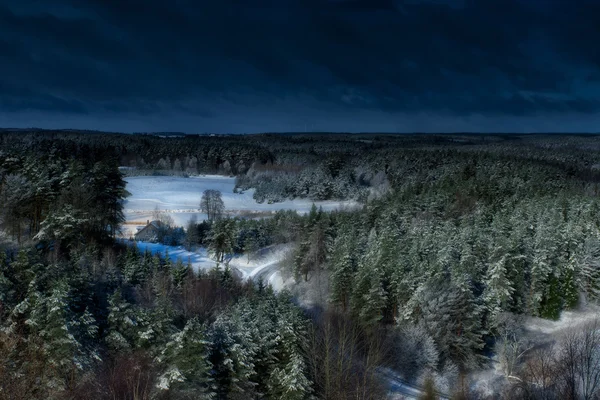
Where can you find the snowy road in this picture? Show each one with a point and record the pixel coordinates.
(266, 265)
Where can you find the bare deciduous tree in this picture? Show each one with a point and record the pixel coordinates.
(344, 358)
(579, 358)
(510, 345)
(569, 369)
(212, 204)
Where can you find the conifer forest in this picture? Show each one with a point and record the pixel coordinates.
(462, 266)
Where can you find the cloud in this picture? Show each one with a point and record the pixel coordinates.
(195, 60)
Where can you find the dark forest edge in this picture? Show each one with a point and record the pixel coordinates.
(459, 237)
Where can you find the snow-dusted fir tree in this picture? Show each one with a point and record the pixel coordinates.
(179, 272)
(123, 323)
(342, 267)
(369, 297)
(543, 263)
(6, 286)
(289, 377)
(64, 332)
(232, 353)
(158, 326)
(133, 268)
(186, 367)
(312, 249)
(64, 226)
(290, 380)
(448, 311)
(587, 262)
(498, 287)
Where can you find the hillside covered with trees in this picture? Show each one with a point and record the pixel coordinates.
(457, 240)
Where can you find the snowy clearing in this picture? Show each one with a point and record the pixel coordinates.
(540, 332)
(199, 259)
(265, 264)
(568, 319)
(180, 197)
(399, 389)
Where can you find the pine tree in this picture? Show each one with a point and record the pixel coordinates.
(7, 288)
(499, 290)
(179, 272)
(369, 297)
(342, 275)
(63, 333)
(451, 316)
(123, 323)
(588, 268)
(232, 353)
(157, 325)
(289, 377)
(23, 270)
(302, 264)
(543, 259)
(290, 381)
(342, 267)
(186, 365)
(132, 268)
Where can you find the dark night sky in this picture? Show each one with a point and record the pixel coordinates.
(290, 65)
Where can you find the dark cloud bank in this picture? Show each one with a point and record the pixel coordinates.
(295, 65)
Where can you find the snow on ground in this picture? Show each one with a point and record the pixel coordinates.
(199, 258)
(180, 197)
(261, 260)
(264, 264)
(538, 331)
(568, 319)
(399, 389)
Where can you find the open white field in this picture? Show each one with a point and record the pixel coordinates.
(180, 197)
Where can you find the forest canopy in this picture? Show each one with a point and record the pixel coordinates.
(457, 238)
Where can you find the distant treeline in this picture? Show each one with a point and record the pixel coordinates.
(315, 166)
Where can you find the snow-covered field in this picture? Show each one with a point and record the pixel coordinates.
(180, 197)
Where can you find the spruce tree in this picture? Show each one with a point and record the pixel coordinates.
(498, 288)
(186, 365)
(369, 297)
(123, 323)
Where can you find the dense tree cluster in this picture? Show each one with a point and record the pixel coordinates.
(456, 245)
(84, 317)
(69, 326)
(454, 233)
(61, 197)
(212, 204)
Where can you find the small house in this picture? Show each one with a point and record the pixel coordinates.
(150, 232)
